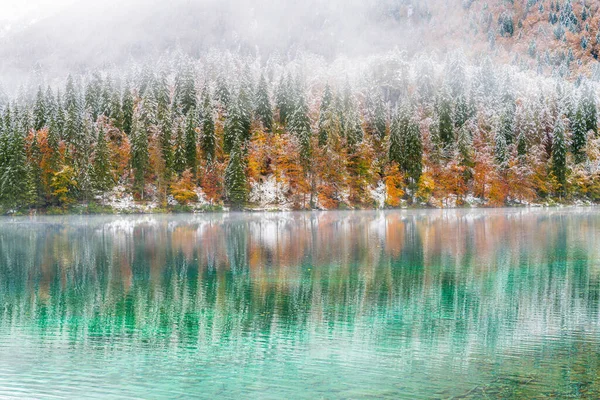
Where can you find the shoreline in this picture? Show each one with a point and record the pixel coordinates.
(146, 209)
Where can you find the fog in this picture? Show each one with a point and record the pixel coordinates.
(59, 37)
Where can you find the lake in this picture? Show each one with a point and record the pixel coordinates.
(500, 303)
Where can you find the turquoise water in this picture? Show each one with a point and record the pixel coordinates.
(398, 304)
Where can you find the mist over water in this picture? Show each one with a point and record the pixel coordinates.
(337, 304)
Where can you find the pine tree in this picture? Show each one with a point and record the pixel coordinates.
(263, 104)
(380, 118)
(14, 175)
(299, 120)
(102, 174)
(209, 140)
(234, 127)
(445, 124)
(39, 111)
(283, 99)
(222, 94)
(579, 134)
(116, 112)
(501, 150)
(413, 160)
(185, 88)
(324, 115)
(191, 142)
(179, 160)
(355, 130)
(166, 139)
(589, 109)
(398, 134)
(559, 155)
(127, 106)
(139, 155)
(93, 96)
(36, 194)
(235, 177)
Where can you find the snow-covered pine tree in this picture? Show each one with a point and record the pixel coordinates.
(191, 141)
(579, 133)
(179, 160)
(39, 110)
(235, 177)
(139, 154)
(264, 113)
(103, 179)
(208, 141)
(559, 155)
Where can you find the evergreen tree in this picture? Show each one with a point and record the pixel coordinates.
(324, 115)
(234, 127)
(179, 159)
(398, 129)
(579, 134)
(380, 118)
(166, 138)
(413, 160)
(103, 177)
(127, 106)
(191, 142)
(139, 155)
(185, 88)
(355, 130)
(589, 109)
(445, 124)
(501, 150)
(39, 110)
(283, 99)
(222, 94)
(559, 155)
(14, 176)
(235, 177)
(263, 104)
(36, 190)
(209, 140)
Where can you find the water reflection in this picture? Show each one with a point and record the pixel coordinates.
(336, 304)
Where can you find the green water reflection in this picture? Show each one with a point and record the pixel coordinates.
(411, 304)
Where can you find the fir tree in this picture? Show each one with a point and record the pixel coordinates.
(14, 176)
(222, 94)
(324, 115)
(185, 89)
(501, 150)
(579, 134)
(589, 109)
(234, 127)
(127, 106)
(413, 160)
(139, 155)
(191, 142)
(445, 124)
(40, 111)
(208, 142)
(179, 160)
(263, 104)
(235, 177)
(559, 155)
(380, 118)
(102, 174)
(398, 129)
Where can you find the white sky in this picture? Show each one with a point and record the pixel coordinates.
(14, 10)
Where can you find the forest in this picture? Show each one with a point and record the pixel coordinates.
(235, 131)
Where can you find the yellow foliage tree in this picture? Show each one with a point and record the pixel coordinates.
(183, 189)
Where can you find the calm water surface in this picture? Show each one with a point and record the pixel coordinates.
(402, 304)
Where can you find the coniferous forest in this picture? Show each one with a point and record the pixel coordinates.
(235, 131)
